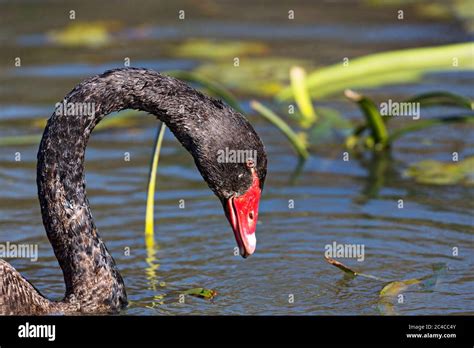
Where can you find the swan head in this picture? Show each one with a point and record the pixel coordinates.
(233, 162)
(241, 210)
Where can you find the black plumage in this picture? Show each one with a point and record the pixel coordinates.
(203, 125)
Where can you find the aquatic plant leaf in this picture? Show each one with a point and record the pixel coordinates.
(436, 121)
(442, 98)
(373, 118)
(33, 139)
(384, 68)
(253, 76)
(392, 289)
(92, 34)
(123, 119)
(150, 200)
(207, 294)
(213, 49)
(305, 105)
(269, 115)
(441, 173)
(426, 100)
(336, 87)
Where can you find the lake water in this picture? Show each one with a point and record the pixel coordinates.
(352, 202)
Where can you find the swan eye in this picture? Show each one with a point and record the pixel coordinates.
(250, 163)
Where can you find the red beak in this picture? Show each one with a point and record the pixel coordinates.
(242, 213)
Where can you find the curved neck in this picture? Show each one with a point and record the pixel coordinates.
(89, 270)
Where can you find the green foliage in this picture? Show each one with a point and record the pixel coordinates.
(150, 202)
(297, 142)
(439, 98)
(440, 173)
(305, 105)
(401, 66)
(207, 294)
(255, 76)
(374, 121)
(218, 50)
(123, 119)
(392, 288)
(381, 139)
(89, 34)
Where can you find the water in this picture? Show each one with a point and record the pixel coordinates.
(346, 202)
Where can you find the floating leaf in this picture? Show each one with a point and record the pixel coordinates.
(253, 76)
(20, 140)
(212, 49)
(93, 34)
(123, 119)
(441, 173)
(392, 289)
(207, 294)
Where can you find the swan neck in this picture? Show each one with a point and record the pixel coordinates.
(89, 270)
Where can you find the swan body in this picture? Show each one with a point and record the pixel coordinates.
(203, 125)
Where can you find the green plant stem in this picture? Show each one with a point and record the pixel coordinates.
(150, 201)
(273, 118)
(373, 117)
(300, 92)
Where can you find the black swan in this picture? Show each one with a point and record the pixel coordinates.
(203, 125)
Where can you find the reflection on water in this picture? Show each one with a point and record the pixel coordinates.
(152, 270)
(332, 200)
